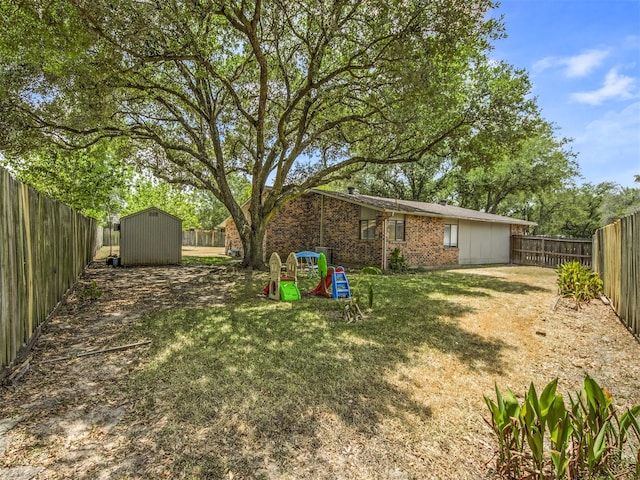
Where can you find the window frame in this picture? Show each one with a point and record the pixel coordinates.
(392, 227)
(453, 231)
(368, 229)
(368, 223)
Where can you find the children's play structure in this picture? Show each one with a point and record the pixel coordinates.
(284, 285)
(332, 278)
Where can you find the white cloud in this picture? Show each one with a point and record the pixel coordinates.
(583, 64)
(614, 128)
(546, 62)
(615, 86)
(577, 66)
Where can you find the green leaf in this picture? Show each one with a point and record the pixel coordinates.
(547, 398)
(557, 420)
(599, 446)
(630, 420)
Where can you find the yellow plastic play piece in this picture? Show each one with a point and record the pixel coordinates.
(275, 265)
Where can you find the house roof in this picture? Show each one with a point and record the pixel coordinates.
(410, 207)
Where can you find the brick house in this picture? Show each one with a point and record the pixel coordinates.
(356, 229)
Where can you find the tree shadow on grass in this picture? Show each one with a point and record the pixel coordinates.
(262, 377)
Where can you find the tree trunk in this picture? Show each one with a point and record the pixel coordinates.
(253, 246)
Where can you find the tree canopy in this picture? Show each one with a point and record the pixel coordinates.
(93, 181)
(536, 165)
(293, 94)
(498, 167)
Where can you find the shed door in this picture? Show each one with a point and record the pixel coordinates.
(482, 243)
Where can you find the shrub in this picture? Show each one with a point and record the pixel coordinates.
(542, 439)
(578, 282)
(397, 261)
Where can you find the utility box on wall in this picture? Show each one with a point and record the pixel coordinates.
(150, 237)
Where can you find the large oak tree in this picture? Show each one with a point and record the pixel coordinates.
(290, 93)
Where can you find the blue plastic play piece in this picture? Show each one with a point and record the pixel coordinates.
(339, 284)
(309, 260)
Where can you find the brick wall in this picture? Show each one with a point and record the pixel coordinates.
(295, 228)
(424, 243)
(342, 234)
(231, 237)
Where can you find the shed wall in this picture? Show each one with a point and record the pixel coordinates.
(150, 237)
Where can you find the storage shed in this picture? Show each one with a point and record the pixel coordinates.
(150, 237)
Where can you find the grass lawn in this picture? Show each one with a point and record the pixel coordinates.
(261, 385)
(255, 388)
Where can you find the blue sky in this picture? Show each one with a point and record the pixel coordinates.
(583, 58)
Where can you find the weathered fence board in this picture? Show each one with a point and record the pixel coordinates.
(550, 251)
(617, 260)
(203, 238)
(110, 237)
(190, 238)
(44, 246)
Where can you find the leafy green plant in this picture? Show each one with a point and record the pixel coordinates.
(560, 430)
(628, 425)
(91, 292)
(578, 282)
(542, 439)
(533, 417)
(397, 262)
(505, 416)
(597, 438)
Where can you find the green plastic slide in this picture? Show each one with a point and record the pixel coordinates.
(289, 291)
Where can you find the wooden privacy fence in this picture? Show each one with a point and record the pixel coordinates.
(44, 246)
(549, 251)
(617, 259)
(203, 238)
(109, 236)
(190, 238)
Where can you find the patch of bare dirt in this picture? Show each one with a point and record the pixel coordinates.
(73, 415)
(68, 402)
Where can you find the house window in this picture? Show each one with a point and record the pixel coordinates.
(367, 224)
(396, 228)
(450, 235)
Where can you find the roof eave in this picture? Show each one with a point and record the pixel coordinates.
(423, 213)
